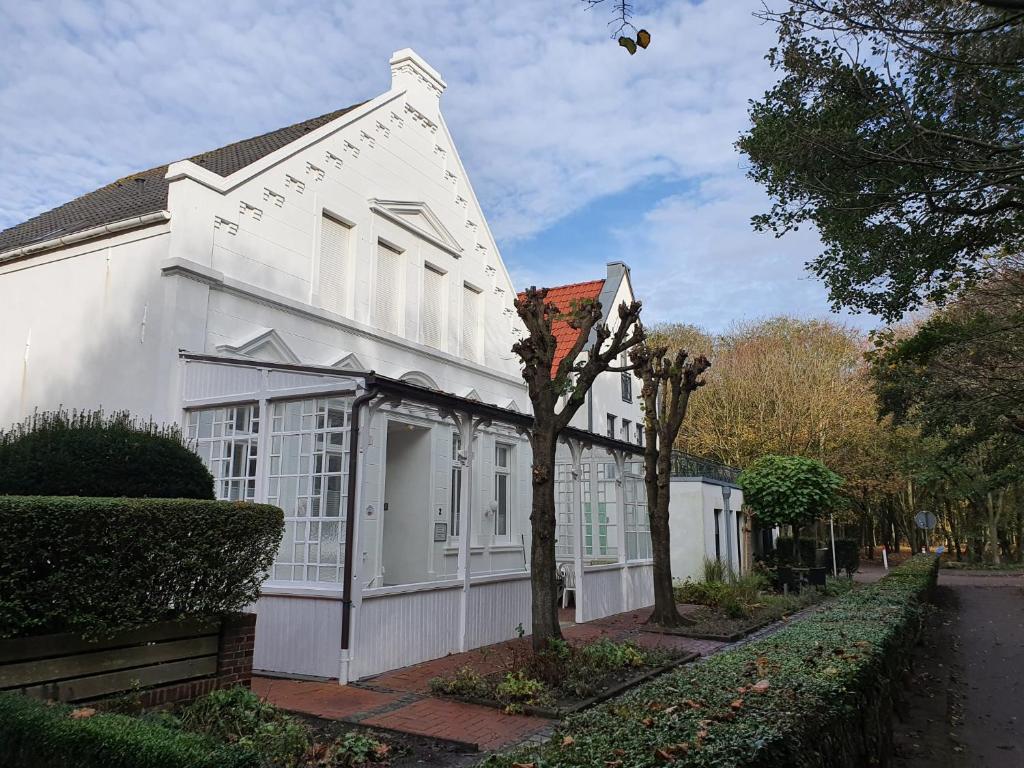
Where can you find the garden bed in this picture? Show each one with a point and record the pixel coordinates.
(562, 679)
(818, 693)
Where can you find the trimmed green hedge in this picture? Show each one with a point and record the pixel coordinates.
(818, 693)
(89, 453)
(95, 566)
(38, 735)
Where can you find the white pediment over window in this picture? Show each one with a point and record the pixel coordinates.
(512, 405)
(468, 393)
(261, 344)
(345, 361)
(418, 218)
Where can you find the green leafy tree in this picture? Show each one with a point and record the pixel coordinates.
(895, 131)
(789, 490)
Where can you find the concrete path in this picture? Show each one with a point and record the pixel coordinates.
(966, 692)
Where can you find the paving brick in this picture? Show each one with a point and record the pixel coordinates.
(330, 700)
(486, 727)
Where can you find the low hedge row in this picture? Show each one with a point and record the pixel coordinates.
(817, 693)
(94, 566)
(38, 735)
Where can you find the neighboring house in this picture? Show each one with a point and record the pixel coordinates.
(324, 310)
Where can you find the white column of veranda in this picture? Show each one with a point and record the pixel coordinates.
(467, 426)
(620, 526)
(576, 449)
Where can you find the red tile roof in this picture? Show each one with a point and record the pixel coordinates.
(563, 296)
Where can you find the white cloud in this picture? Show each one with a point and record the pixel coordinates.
(548, 112)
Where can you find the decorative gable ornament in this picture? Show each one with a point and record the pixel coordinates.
(420, 219)
(346, 361)
(262, 344)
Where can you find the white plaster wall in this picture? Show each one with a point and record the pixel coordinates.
(82, 327)
(687, 529)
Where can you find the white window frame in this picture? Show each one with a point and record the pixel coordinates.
(455, 509)
(506, 473)
(316, 295)
(472, 354)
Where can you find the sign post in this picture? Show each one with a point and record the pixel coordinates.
(926, 522)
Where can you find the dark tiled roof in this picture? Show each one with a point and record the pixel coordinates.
(563, 297)
(146, 192)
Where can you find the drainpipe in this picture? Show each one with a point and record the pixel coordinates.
(351, 512)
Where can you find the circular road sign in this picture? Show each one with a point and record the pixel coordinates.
(925, 520)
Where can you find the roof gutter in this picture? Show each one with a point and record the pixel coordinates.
(147, 219)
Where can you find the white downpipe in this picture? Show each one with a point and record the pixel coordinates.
(832, 527)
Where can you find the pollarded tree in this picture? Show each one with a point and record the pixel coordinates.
(789, 490)
(668, 383)
(557, 392)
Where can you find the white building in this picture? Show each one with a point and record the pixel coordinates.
(328, 286)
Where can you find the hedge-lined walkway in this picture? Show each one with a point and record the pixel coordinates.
(400, 700)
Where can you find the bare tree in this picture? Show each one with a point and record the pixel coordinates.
(557, 392)
(668, 383)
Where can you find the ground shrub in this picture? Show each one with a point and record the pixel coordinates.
(817, 693)
(95, 566)
(38, 735)
(90, 453)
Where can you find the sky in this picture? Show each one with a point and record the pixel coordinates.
(580, 153)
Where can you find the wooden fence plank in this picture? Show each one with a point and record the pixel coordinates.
(86, 688)
(80, 665)
(43, 646)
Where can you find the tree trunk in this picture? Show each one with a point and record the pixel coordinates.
(796, 545)
(665, 612)
(543, 579)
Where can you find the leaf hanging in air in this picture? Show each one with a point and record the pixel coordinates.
(643, 38)
(628, 43)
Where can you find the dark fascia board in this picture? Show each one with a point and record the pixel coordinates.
(425, 395)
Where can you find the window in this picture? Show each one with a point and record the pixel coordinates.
(611, 426)
(502, 487)
(456, 508)
(226, 439)
(599, 532)
(388, 283)
(432, 309)
(627, 381)
(334, 240)
(638, 524)
(470, 322)
(627, 429)
(640, 434)
(307, 479)
(718, 535)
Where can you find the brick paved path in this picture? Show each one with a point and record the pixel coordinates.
(400, 700)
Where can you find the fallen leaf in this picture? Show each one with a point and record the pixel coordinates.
(523, 765)
(568, 741)
(760, 686)
(737, 704)
(612, 764)
(82, 712)
(647, 722)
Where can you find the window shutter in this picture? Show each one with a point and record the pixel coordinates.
(470, 322)
(432, 309)
(334, 237)
(388, 288)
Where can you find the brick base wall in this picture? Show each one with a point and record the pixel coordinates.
(234, 665)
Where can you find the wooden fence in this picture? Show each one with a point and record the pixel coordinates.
(169, 661)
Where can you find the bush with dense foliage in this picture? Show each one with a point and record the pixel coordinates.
(817, 693)
(230, 728)
(95, 566)
(38, 735)
(789, 490)
(90, 453)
